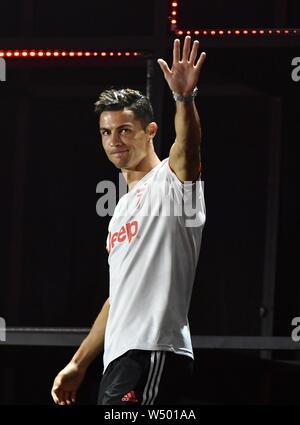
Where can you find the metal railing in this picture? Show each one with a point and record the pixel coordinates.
(73, 337)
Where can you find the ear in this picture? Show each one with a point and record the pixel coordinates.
(151, 129)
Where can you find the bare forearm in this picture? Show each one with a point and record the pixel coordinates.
(93, 344)
(185, 152)
(182, 79)
(187, 128)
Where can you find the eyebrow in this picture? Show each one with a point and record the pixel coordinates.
(120, 126)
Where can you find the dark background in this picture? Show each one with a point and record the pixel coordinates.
(54, 269)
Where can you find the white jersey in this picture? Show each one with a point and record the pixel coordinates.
(153, 243)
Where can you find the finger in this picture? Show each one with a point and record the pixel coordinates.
(67, 397)
(200, 61)
(62, 397)
(164, 67)
(186, 48)
(194, 52)
(62, 401)
(176, 51)
(55, 392)
(58, 396)
(54, 396)
(73, 396)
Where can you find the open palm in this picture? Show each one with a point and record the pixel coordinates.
(183, 76)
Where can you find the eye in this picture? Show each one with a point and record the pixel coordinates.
(125, 131)
(104, 132)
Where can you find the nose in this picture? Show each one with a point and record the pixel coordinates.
(115, 139)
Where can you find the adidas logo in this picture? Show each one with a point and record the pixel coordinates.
(130, 397)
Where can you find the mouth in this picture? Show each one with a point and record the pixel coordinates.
(119, 152)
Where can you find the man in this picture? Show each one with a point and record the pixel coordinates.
(148, 354)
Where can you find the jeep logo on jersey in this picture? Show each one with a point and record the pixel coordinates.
(126, 232)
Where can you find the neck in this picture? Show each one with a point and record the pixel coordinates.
(133, 176)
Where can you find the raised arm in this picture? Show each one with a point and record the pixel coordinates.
(69, 379)
(182, 79)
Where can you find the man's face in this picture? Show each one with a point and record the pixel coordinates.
(124, 139)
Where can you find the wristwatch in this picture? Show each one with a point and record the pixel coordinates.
(189, 98)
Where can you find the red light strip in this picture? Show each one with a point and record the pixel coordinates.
(173, 17)
(32, 53)
(238, 32)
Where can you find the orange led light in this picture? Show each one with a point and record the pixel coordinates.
(239, 32)
(175, 26)
(56, 53)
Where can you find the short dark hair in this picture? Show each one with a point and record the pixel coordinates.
(119, 99)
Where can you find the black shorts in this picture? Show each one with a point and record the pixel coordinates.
(146, 377)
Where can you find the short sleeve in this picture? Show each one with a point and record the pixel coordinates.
(190, 195)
